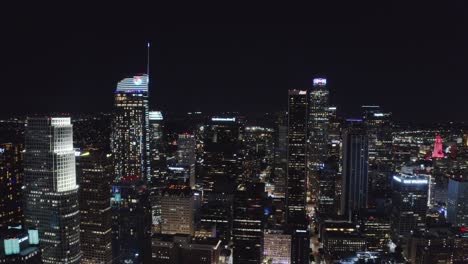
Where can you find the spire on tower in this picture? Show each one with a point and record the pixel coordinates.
(148, 61)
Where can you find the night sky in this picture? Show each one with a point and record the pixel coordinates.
(410, 58)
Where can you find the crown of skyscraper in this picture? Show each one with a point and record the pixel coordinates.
(136, 83)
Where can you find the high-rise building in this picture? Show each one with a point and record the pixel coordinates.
(131, 224)
(379, 131)
(130, 130)
(318, 122)
(184, 249)
(457, 202)
(248, 224)
(326, 178)
(11, 171)
(355, 168)
(409, 201)
(51, 192)
(277, 247)
(297, 156)
(222, 159)
(296, 181)
(157, 149)
(95, 173)
(186, 155)
(340, 238)
(131, 211)
(178, 206)
(281, 151)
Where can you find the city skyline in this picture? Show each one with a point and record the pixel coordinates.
(373, 54)
(333, 134)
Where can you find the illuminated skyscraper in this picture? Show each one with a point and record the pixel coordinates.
(355, 168)
(11, 171)
(409, 201)
(318, 122)
(130, 130)
(186, 156)
(51, 192)
(379, 132)
(297, 176)
(95, 172)
(131, 217)
(248, 224)
(157, 149)
(457, 202)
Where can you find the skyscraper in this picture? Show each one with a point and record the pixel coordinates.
(130, 130)
(11, 171)
(318, 122)
(157, 149)
(409, 201)
(51, 192)
(457, 201)
(297, 156)
(131, 217)
(186, 155)
(296, 182)
(379, 131)
(95, 172)
(355, 168)
(248, 224)
(177, 210)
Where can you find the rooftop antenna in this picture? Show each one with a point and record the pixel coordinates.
(148, 62)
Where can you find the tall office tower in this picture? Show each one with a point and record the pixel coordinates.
(409, 201)
(281, 155)
(186, 155)
(130, 130)
(178, 206)
(96, 173)
(248, 224)
(157, 149)
(11, 171)
(379, 131)
(334, 133)
(222, 157)
(354, 186)
(276, 247)
(341, 238)
(457, 202)
(296, 181)
(131, 217)
(51, 192)
(327, 178)
(183, 249)
(318, 123)
(131, 224)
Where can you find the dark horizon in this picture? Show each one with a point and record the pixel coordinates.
(412, 65)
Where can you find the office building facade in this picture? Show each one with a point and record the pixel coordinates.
(354, 192)
(11, 172)
(95, 172)
(51, 192)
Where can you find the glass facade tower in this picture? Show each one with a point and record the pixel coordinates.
(51, 192)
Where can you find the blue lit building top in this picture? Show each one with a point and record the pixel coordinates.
(138, 83)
